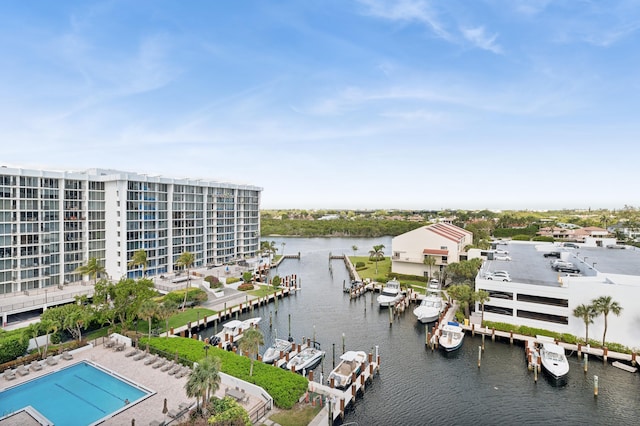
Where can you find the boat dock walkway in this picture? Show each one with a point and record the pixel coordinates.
(580, 349)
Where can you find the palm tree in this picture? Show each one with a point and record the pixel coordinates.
(604, 305)
(587, 313)
(49, 327)
(139, 258)
(481, 296)
(93, 268)
(429, 261)
(377, 254)
(33, 331)
(355, 249)
(204, 379)
(147, 311)
(186, 260)
(165, 311)
(250, 343)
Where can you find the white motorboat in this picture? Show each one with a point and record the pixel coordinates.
(431, 306)
(307, 359)
(451, 337)
(234, 329)
(351, 362)
(390, 293)
(554, 361)
(280, 346)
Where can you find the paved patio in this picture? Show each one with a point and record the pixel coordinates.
(146, 411)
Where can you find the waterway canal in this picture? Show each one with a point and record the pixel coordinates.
(417, 386)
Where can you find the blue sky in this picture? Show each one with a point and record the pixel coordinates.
(334, 103)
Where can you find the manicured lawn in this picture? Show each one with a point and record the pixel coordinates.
(262, 291)
(191, 314)
(300, 415)
(384, 268)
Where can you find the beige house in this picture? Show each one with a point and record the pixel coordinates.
(444, 242)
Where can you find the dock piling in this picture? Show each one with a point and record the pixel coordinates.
(479, 355)
(586, 363)
(595, 386)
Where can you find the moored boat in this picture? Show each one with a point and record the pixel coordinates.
(451, 337)
(234, 329)
(390, 293)
(280, 346)
(553, 360)
(307, 359)
(431, 306)
(351, 362)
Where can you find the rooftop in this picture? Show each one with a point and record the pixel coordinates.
(528, 265)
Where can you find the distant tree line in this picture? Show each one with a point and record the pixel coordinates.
(336, 227)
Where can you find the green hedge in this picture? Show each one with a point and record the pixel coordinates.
(285, 387)
(521, 237)
(12, 345)
(245, 287)
(232, 280)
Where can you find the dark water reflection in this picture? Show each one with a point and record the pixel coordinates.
(417, 386)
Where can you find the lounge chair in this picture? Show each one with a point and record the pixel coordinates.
(168, 366)
(35, 366)
(173, 414)
(119, 347)
(156, 423)
(9, 374)
(175, 369)
(180, 374)
(132, 352)
(139, 356)
(51, 360)
(22, 371)
(109, 343)
(66, 356)
(151, 360)
(160, 363)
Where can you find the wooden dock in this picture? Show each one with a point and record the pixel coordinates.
(337, 400)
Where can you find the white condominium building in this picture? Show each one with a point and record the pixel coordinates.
(52, 222)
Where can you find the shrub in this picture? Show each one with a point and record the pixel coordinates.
(12, 346)
(245, 287)
(232, 280)
(247, 277)
(360, 265)
(543, 238)
(521, 237)
(214, 282)
(193, 295)
(285, 387)
(276, 281)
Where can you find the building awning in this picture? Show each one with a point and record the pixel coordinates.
(435, 252)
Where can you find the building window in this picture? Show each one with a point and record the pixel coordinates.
(558, 319)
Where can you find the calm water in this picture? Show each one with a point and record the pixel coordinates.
(417, 386)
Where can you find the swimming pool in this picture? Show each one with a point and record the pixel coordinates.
(81, 394)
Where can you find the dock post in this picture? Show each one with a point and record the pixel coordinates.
(343, 343)
(342, 408)
(270, 320)
(473, 330)
(595, 386)
(605, 354)
(483, 342)
(511, 337)
(332, 383)
(535, 374)
(311, 376)
(586, 363)
(290, 327)
(493, 334)
(334, 355)
(479, 355)
(633, 358)
(390, 316)
(579, 350)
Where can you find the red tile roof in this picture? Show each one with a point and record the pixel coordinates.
(436, 252)
(448, 231)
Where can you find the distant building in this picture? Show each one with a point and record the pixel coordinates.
(53, 222)
(573, 234)
(444, 242)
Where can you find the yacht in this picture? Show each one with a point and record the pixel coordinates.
(431, 306)
(307, 359)
(350, 362)
(234, 329)
(554, 362)
(390, 293)
(272, 354)
(451, 337)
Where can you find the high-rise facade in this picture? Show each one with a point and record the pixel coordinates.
(53, 222)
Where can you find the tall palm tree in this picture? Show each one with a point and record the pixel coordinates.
(49, 327)
(186, 260)
(376, 254)
(147, 311)
(605, 305)
(481, 296)
(33, 331)
(250, 343)
(93, 268)
(430, 262)
(165, 311)
(139, 258)
(204, 379)
(587, 313)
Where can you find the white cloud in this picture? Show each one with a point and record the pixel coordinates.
(407, 11)
(479, 38)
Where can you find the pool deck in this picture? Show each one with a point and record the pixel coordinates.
(144, 412)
